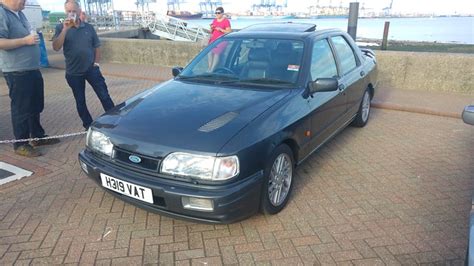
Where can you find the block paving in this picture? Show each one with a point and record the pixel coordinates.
(397, 192)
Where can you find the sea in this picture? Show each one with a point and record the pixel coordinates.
(458, 30)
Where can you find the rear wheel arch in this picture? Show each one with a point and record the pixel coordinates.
(363, 113)
(371, 90)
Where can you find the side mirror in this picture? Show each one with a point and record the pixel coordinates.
(176, 71)
(323, 84)
(468, 115)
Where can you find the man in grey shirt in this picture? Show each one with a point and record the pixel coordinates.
(81, 50)
(19, 62)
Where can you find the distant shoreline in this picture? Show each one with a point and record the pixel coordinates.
(418, 46)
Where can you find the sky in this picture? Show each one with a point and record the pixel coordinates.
(402, 6)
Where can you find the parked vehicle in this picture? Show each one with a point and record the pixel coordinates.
(217, 144)
(468, 118)
(468, 115)
(34, 14)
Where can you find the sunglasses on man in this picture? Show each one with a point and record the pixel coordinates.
(218, 13)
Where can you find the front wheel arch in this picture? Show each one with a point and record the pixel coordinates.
(277, 184)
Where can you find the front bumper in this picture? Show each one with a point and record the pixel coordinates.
(232, 202)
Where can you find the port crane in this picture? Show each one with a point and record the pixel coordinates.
(207, 7)
(142, 3)
(97, 7)
(174, 4)
(388, 10)
(270, 5)
(328, 8)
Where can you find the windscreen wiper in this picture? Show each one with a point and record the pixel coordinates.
(266, 81)
(208, 76)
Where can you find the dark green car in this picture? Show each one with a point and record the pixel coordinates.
(221, 140)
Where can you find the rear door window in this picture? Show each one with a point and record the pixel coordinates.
(345, 53)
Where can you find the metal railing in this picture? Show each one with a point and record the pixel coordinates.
(172, 28)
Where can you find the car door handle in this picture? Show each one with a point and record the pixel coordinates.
(362, 73)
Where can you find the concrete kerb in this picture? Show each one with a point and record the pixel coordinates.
(410, 109)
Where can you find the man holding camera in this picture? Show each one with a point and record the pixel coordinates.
(81, 50)
(19, 62)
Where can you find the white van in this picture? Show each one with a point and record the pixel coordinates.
(33, 13)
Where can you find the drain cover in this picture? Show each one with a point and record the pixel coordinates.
(10, 173)
(4, 174)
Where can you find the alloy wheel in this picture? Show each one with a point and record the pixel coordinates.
(366, 106)
(280, 179)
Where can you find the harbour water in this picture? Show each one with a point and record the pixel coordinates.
(435, 29)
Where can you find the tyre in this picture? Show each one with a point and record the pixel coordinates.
(363, 114)
(278, 182)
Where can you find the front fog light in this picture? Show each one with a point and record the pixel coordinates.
(198, 204)
(84, 167)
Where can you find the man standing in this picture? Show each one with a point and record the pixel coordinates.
(81, 50)
(19, 62)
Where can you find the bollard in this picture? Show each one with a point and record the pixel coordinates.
(353, 16)
(385, 35)
(43, 54)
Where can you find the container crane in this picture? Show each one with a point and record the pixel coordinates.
(388, 10)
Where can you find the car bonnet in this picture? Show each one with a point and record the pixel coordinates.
(181, 116)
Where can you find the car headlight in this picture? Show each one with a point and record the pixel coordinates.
(198, 166)
(99, 142)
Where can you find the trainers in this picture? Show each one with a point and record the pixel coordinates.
(27, 150)
(43, 142)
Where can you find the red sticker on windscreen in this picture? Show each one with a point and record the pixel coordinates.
(293, 68)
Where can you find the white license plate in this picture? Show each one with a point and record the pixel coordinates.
(128, 189)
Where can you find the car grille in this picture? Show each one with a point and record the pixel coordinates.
(147, 163)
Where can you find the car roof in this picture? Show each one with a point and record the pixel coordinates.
(281, 27)
(281, 30)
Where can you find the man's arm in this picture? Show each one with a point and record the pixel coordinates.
(9, 44)
(60, 35)
(58, 42)
(96, 45)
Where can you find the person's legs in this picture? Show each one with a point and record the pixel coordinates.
(37, 105)
(78, 86)
(36, 130)
(20, 92)
(215, 62)
(97, 81)
(210, 59)
(216, 55)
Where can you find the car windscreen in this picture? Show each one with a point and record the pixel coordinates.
(254, 61)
